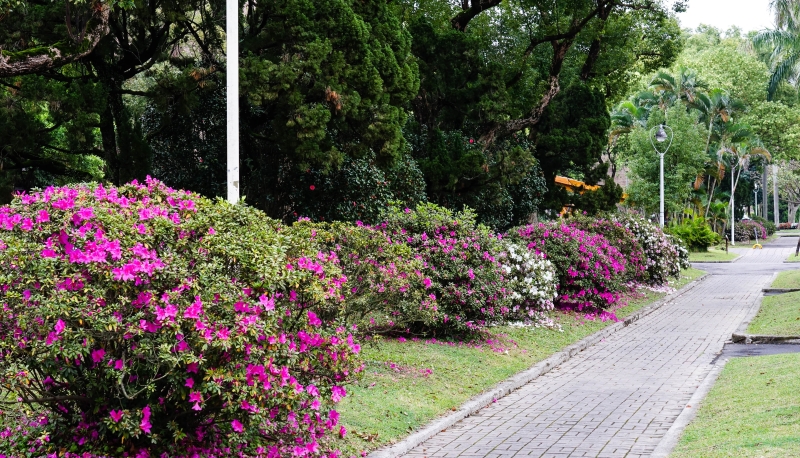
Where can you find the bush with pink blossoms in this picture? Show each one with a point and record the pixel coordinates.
(622, 239)
(141, 321)
(385, 290)
(591, 271)
(460, 266)
(665, 255)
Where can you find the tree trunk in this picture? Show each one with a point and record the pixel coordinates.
(777, 215)
(793, 207)
(765, 197)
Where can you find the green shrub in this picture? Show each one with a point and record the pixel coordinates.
(145, 320)
(695, 233)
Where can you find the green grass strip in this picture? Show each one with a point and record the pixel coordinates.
(793, 258)
(778, 316)
(407, 384)
(787, 279)
(752, 411)
(713, 254)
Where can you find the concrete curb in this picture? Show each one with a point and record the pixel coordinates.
(718, 262)
(517, 381)
(764, 339)
(742, 329)
(779, 290)
(670, 440)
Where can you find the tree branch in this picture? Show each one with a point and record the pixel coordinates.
(461, 20)
(53, 57)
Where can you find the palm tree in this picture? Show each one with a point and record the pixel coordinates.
(780, 47)
(742, 145)
(684, 86)
(625, 117)
(717, 109)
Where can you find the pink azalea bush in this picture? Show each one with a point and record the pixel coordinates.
(460, 266)
(386, 290)
(144, 321)
(622, 239)
(746, 230)
(666, 256)
(591, 271)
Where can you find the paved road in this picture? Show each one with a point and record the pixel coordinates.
(619, 397)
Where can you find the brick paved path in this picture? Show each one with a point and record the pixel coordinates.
(619, 397)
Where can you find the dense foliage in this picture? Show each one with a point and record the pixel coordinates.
(748, 229)
(695, 233)
(385, 290)
(531, 280)
(143, 318)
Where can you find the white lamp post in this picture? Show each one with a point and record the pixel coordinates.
(756, 186)
(661, 136)
(232, 97)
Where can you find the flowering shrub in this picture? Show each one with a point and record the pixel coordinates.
(460, 266)
(666, 256)
(769, 226)
(622, 239)
(530, 279)
(591, 271)
(746, 230)
(143, 321)
(385, 288)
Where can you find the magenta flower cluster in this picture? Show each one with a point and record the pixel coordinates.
(143, 321)
(591, 270)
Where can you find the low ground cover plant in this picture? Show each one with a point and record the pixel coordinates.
(143, 321)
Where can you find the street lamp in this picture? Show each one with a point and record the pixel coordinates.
(661, 136)
(756, 187)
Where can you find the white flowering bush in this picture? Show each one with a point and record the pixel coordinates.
(531, 281)
(666, 255)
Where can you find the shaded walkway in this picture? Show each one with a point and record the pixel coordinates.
(619, 397)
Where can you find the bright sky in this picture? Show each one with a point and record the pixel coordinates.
(722, 14)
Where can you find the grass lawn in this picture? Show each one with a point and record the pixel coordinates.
(752, 411)
(408, 384)
(793, 258)
(787, 279)
(778, 316)
(713, 254)
(790, 232)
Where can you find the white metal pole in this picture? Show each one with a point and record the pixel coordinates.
(777, 216)
(661, 189)
(733, 207)
(232, 97)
